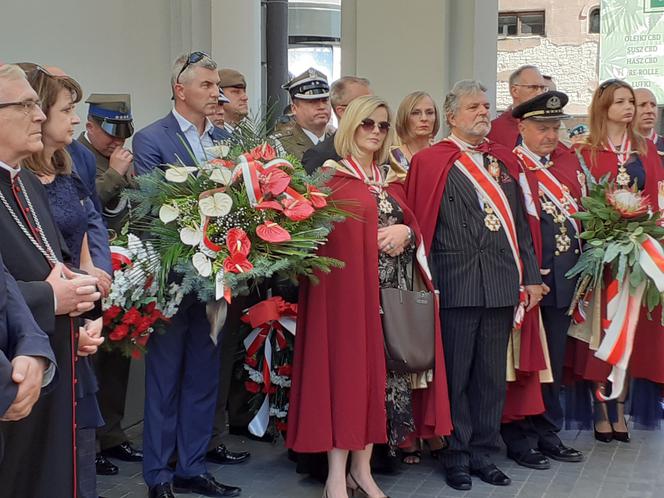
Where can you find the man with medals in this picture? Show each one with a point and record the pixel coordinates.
(33, 251)
(559, 180)
(466, 196)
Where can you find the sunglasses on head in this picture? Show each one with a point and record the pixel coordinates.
(193, 58)
(369, 124)
(612, 81)
(30, 68)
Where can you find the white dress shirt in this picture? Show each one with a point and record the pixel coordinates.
(197, 142)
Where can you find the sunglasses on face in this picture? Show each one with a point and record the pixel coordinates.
(193, 58)
(369, 124)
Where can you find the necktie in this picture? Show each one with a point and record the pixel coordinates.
(544, 160)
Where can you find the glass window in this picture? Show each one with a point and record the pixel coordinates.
(507, 25)
(593, 21)
(521, 24)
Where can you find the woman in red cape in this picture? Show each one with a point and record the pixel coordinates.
(338, 394)
(613, 147)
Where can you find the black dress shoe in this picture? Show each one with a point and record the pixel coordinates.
(203, 484)
(562, 453)
(533, 459)
(105, 467)
(458, 477)
(492, 475)
(223, 456)
(161, 490)
(124, 451)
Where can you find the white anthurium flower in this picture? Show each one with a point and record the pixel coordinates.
(221, 175)
(191, 236)
(168, 213)
(215, 205)
(202, 264)
(179, 174)
(219, 151)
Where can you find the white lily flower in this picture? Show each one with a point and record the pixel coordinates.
(221, 175)
(191, 236)
(202, 264)
(219, 151)
(218, 204)
(168, 213)
(179, 174)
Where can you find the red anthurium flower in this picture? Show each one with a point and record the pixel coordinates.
(269, 205)
(238, 242)
(272, 232)
(263, 152)
(316, 197)
(297, 210)
(274, 181)
(237, 263)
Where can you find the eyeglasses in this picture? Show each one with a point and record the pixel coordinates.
(193, 58)
(369, 124)
(28, 106)
(541, 88)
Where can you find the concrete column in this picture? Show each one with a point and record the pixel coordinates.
(237, 42)
(276, 55)
(419, 45)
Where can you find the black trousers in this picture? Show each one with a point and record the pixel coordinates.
(475, 342)
(541, 430)
(113, 377)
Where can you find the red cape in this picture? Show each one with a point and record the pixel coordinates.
(337, 398)
(505, 129)
(425, 186)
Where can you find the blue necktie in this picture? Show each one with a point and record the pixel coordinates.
(544, 160)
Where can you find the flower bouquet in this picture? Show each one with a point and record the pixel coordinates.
(135, 308)
(235, 220)
(266, 371)
(622, 265)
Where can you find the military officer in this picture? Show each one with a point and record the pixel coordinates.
(234, 86)
(310, 104)
(108, 125)
(559, 179)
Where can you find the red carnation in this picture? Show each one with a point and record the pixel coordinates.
(272, 232)
(132, 316)
(297, 210)
(316, 197)
(111, 313)
(143, 325)
(119, 332)
(238, 242)
(149, 308)
(252, 387)
(237, 263)
(281, 426)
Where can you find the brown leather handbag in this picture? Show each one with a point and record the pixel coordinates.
(409, 325)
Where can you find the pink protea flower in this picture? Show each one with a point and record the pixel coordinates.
(628, 203)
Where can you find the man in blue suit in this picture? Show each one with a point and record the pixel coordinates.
(27, 362)
(182, 367)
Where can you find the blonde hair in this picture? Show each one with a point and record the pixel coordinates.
(401, 122)
(356, 112)
(599, 115)
(48, 87)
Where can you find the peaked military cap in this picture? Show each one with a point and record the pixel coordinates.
(112, 111)
(231, 78)
(222, 99)
(309, 85)
(548, 105)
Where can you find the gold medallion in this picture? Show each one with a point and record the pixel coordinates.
(563, 242)
(491, 221)
(494, 167)
(623, 177)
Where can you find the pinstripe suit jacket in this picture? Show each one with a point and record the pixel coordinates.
(473, 266)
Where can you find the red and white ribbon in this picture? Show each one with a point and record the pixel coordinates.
(625, 149)
(622, 315)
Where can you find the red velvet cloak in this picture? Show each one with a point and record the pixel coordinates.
(505, 129)
(425, 186)
(337, 397)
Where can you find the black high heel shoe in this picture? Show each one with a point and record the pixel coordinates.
(603, 437)
(619, 435)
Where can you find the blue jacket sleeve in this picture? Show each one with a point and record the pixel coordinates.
(98, 238)
(146, 154)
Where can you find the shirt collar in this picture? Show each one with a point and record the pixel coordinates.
(13, 172)
(465, 145)
(186, 125)
(312, 136)
(547, 157)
